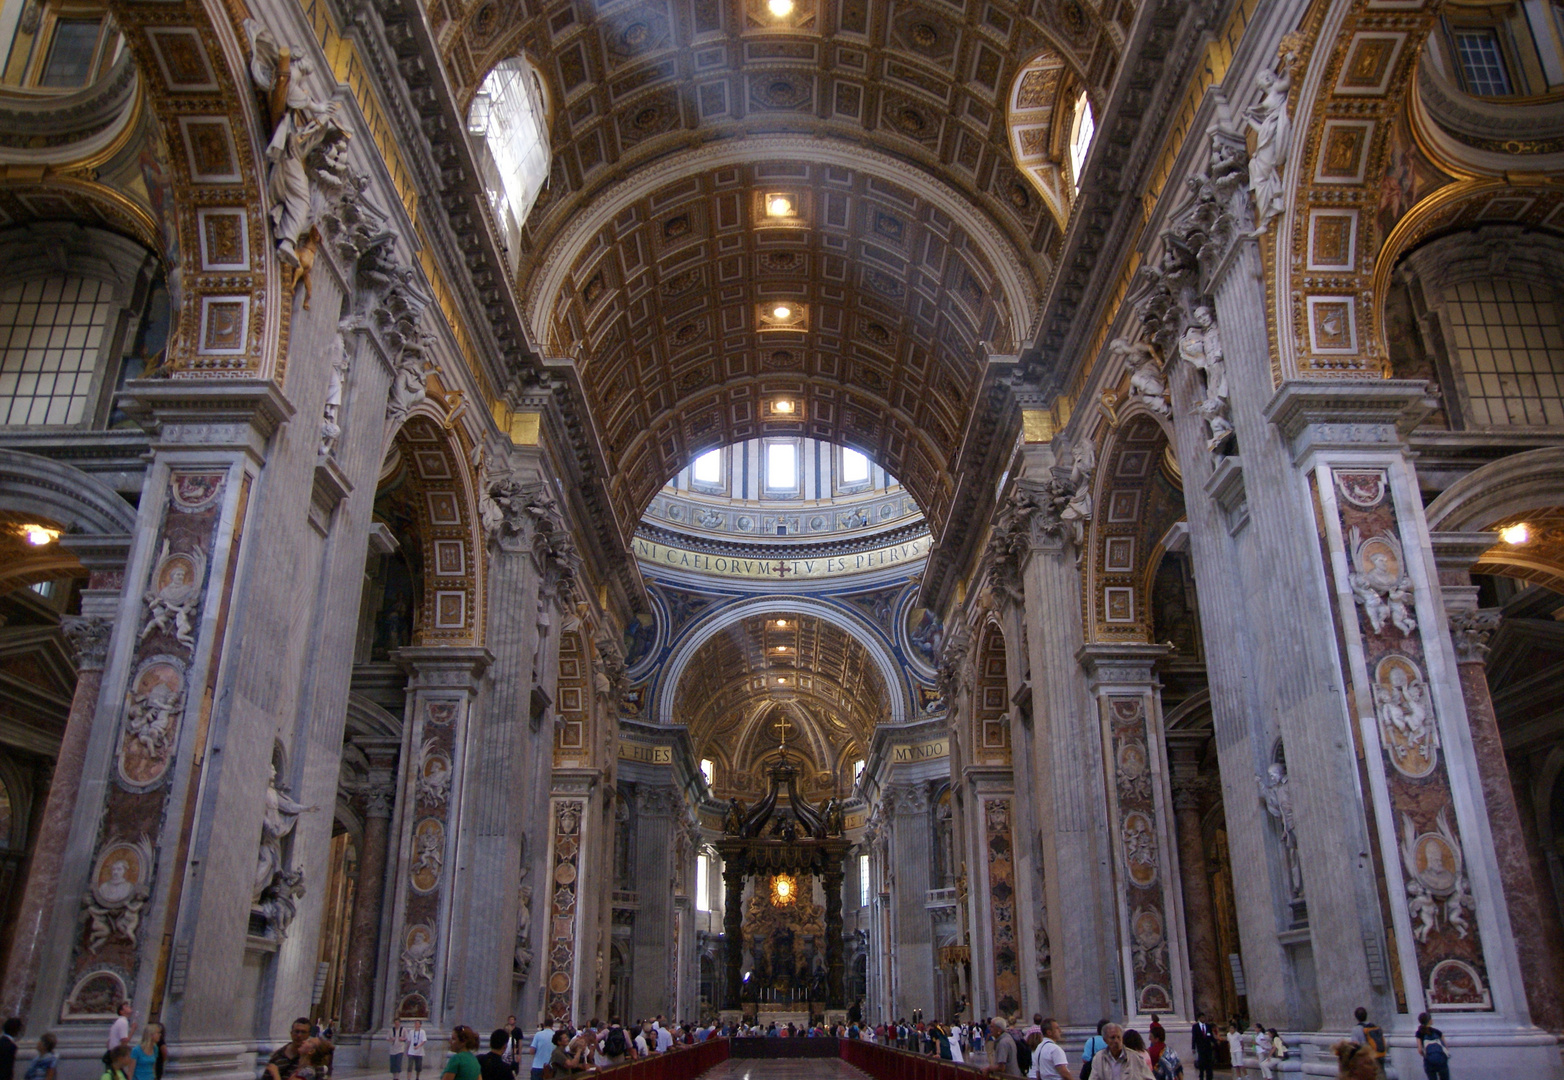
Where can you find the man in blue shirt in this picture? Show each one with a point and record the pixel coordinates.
(542, 1051)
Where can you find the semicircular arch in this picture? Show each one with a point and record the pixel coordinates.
(665, 697)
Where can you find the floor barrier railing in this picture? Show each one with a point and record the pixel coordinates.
(885, 1063)
(680, 1063)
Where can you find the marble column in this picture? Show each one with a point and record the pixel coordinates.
(528, 549)
(835, 995)
(1065, 757)
(653, 960)
(912, 931)
(1470, 630)
(1205, 976)
(89, 635)
(733, 933)
(364, 945)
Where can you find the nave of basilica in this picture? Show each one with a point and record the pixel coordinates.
(944, 508)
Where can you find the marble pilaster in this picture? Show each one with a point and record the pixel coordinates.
(1152, 948)
(443, 684)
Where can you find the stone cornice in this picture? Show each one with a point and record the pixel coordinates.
(239, 414)
(1347, 415)
(1121, 663)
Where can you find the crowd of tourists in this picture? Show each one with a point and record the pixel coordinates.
(999, 1046)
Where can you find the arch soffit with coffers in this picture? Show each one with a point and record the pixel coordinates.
(1126, 529)
(834, 682)
(903, 397)
(234, 320)
(1354, 125)
(69, 497)
(640, 80)
(664, 697)
(445, 508)
(1018, 278)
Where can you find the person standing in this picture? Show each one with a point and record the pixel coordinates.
(120, 1064)
(144, 1053)
(463, 1063)
(1093, 1046)
(43, 1066)
(1431, 1045)
(1049, 1061)
(415, 1048)
(1202, 1040)
(397, 1044)
(1002, 1053)
(9, 1046)
(119, 1031)
(542, 1050)
(1115, 1061)
(1262, 1052)
(516, 1041)
(1235, 1047)
(1371, 1037)
(493, 1066)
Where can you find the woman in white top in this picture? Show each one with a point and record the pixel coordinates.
(398, 1047)
(1262, 1051)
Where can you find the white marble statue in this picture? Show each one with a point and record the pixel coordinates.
(1402, 707)
(1277, 796)
(278, 817)
(1146, 382)
(432, 784)
(118, 894)
(1201, 347)
(1272, 136)
(151, 717)
(300, 124)
(330, 424)
(418, 957)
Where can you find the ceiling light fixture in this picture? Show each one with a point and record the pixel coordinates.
(1515, 535)
(784, 406)
(782, 311)
(779, 205)
(780, 8)
(781, 622)
(39, 535)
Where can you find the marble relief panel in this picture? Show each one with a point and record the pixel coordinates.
(433, 771)
(1145, 897)
(107, 948)
(560, 986)
(1435, 887)
(1002, 905)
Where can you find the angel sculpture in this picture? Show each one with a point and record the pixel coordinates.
(1146, 382)
(300, 124)
(1422, 909)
